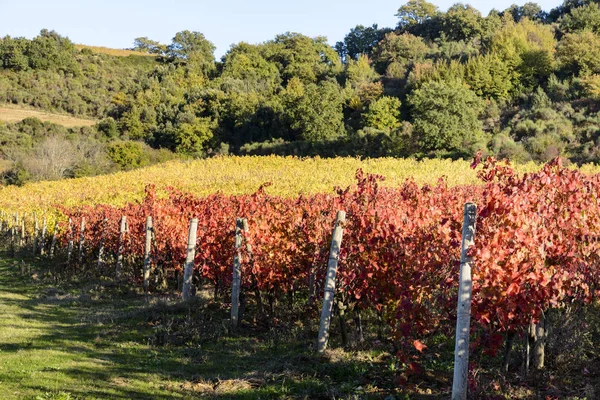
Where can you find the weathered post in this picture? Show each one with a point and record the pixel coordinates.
(13, 229)
(101, 249)
(70, 245)
(332, 264)
(240, 227)
(189, 260)
(53, 243)
(36, 228)
(122, 231)
(23, 231)
(463, 314)
(43, 236)
(81, 239)
(147, 254)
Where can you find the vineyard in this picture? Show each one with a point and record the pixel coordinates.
(536, 252)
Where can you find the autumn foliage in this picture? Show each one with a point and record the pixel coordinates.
(536, 245)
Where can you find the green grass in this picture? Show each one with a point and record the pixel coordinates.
(95, 341)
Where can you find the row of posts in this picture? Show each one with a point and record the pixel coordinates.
(14, 228)
(459, 388)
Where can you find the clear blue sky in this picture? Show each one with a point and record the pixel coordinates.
(115, 24)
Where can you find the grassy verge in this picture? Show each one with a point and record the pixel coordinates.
(95, 341)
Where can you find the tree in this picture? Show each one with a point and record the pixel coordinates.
(309, 59)
(383, 114)
(579, 53)
(50, 51)
(360, 40)
(145, 45)
(446, 117)
(245, 62)
(128, 154)
(401, 49)
(314, 112)
(586, 17)
(489, 76)
(192, 136)
(416, 12)
(13, 53)
(193, 49)
(528, 49)
(531, 11)
(462, 22)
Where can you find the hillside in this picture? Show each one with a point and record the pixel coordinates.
(515, 83)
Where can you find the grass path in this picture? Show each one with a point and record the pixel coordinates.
(86, 343)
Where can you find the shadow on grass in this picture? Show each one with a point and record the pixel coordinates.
(125, 348)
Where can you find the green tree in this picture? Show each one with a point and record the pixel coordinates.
(462, 22)
(128, 154)
(309, 59)
(360, 40)
(13, 53)
(446, 117)
(245, 62)
(193, 49)
(192, 136)
(416, 12)
(489, 76)
(400, 50)
(579, 53)
(146, 45)
(528, 49)
(314, 112)
(383, 114)
(586, 17)
(50, 51)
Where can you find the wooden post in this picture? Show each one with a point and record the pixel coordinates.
(36, 228)
(81, 239)
(43, 236)
(540, 342)
(189, 260)
(122, 231)
(70, 245)
(101, 248)
(240, 227)
(334, 254)
(13, 229)
(147, 254)
(53, 243)
(23, 231)
(463, 314)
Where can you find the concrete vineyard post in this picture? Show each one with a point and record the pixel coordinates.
(332, 264)
(147, 254)
(81, 240)
(240, 226)
(463, 314)
(189, 260)
(122, 231)
(43, 236)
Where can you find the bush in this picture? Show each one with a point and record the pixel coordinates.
(128, 155)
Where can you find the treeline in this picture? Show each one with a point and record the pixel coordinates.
(521, 83)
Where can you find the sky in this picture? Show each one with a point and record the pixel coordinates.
(115, 24)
